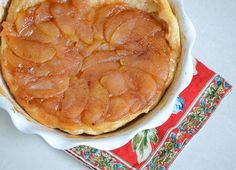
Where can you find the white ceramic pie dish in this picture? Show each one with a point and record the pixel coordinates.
(154, 118)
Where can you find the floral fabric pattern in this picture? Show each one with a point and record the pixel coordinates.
(156, 149)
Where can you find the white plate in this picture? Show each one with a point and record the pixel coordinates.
(156, 117)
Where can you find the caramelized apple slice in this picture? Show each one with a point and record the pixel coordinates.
(100, 57)
(82, 6)
(98, 103)
(158, 44)
(22, 79)
(105, 47)
(85, 31)
(115, 83)
(114, 22)
(75, 98)
(73, 61)
(150, 62)
(42, 13)
(49, 28)
(145, 84)
(63, 45)
(137, 104)
(23, 20)
(102, 15)
(35, 34)
(127, 103)
(67, 25)
(118, 108)
(88, 50)
(136, 101)
(51, 105)
(20, 64)
(59, 66)
(144, 27)
(70, 64)
(122, 33)
(64, 18)
(30, 50)
(98, 70)
(46, 87)
(141, 62)
(131, 48)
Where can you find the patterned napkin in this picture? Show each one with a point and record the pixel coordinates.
(157, 148)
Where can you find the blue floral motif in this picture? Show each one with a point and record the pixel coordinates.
(202, 102)
(207, 110)
(161, 168)
(181, 128)
(177, 146)
(152, 166)
(172, 137)
(226, 84)
(117, 166)
(218, 80)
(179, 105)
(190, 131)
(95, 150)
(86, 155)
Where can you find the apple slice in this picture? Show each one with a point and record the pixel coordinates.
(46, 87)
(85, 31)
(49, 28)
(88, 50)
(75, 98)
(145, 84)
(59, 66)
(83, 8)
(150, 62)
(22, 79)
(98, 70)
(137, 102)
(123, 32)
(141, 62)
(132, 48)
(23, 21)
(69, 64)
(98, 104)
(145, 26)
(51, 105)
(64, 18)
(115, 83)
(117, 109)
(42, 13)
(102, 15)
(115, 21)
(34, 33)
(30, 50)
(100, 57)
(19, 64)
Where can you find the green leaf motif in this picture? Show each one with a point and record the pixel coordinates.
(141, 143)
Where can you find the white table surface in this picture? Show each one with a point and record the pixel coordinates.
(212, 148)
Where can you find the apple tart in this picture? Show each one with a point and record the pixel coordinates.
(89, 66)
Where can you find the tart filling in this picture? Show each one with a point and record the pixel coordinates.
(89, 66)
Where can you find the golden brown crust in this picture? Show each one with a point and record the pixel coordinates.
(164, 11)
